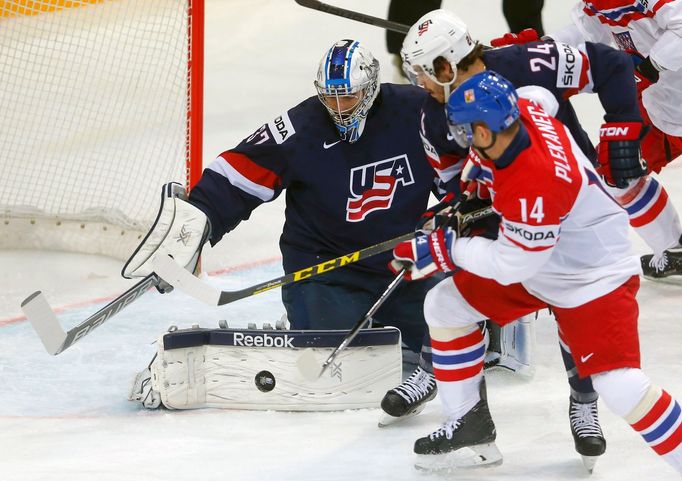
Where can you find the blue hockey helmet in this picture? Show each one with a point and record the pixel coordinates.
(347, 84)
(486, 97)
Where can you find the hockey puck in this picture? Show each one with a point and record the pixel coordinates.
(265, 381)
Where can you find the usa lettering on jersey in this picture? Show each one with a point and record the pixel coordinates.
(431, 152)
(372, 186)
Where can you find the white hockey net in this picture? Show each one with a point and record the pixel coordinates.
(96, 114)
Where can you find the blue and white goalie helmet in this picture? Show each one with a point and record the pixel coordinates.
(347, 84)
(486, 97)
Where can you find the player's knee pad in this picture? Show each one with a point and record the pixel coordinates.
(623, 390)
(445, 307)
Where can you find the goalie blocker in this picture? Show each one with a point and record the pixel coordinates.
(257, 369)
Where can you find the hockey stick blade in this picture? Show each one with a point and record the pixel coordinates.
(178, 277)
(308, 365)
(50, 331)
(357, 16)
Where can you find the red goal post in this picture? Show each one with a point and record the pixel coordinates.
(101, 103)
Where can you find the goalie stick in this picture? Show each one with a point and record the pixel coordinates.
(357, 16)
(53, 336)
(178, 277)
(56, 340)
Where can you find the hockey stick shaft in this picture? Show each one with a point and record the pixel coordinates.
(364, 320)
(357, 16)
(305, 364)
(178, 277)
(53, 336)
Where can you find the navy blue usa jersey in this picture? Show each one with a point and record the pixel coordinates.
(561, 69)
(340, 197)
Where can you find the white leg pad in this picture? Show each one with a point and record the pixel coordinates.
(257, 369)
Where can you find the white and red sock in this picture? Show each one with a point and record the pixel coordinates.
(458, 368)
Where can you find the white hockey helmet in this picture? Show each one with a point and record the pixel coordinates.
(439, 33)
(347, 84)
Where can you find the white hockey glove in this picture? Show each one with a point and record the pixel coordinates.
(180, 230)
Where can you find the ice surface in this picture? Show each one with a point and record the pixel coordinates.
(67, 417)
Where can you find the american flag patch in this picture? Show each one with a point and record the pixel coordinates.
(423, 27)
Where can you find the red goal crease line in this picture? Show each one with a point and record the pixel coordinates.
(76, 305)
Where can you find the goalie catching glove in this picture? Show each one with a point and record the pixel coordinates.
(620, 159)
(180, 231)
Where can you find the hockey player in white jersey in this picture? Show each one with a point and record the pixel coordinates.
(650, 30)
(563, 243)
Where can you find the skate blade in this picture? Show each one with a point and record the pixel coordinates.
(477, 456)
(388, 420)
(522, 372)
(589, 462)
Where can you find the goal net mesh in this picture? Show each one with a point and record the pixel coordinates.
(94, 98)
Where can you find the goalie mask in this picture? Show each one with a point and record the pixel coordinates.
(439, 33)
(347, 84)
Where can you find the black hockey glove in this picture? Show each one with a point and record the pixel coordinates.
(477, 218)
(620, 159)
(437, 215)
(646, 73)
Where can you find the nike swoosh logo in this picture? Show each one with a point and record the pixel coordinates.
(586, 358)
(327, 146)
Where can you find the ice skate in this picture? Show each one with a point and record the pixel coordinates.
(669, 264)
(466, 442)
(408, 399)
(587, 434)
